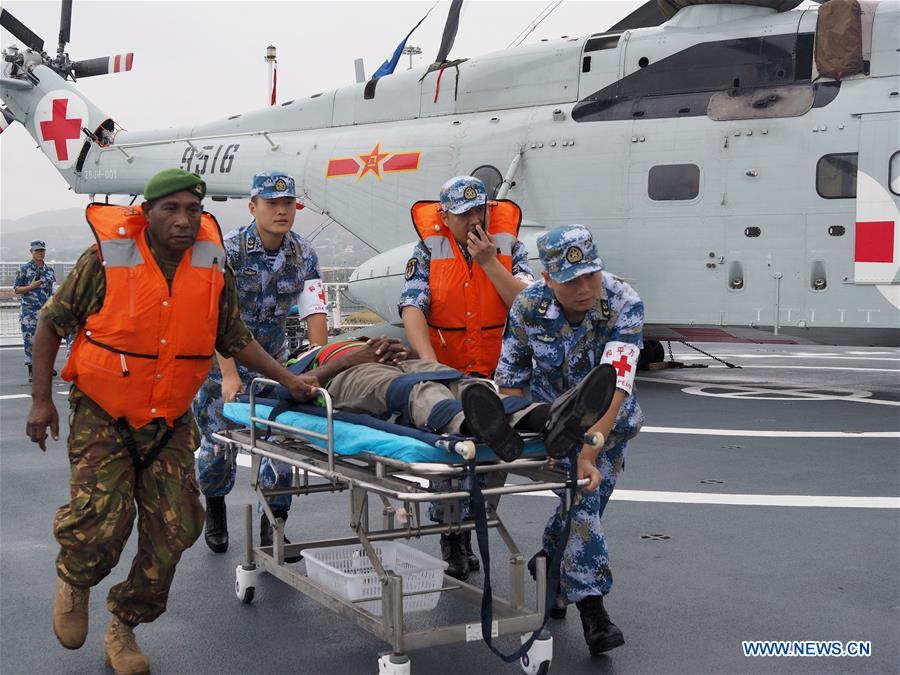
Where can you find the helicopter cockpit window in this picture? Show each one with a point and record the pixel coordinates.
(894, 173)
(836, 176)
(673, 182)
(491, 177)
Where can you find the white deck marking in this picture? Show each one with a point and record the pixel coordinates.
(720, 498)
(868, 356)
(758, 393)
(64, 392)
(769, 434)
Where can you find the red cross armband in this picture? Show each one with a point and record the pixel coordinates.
(624, 358)
(312, 298)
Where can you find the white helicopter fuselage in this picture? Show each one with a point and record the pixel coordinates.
(726, 223)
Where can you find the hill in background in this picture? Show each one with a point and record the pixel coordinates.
(67, 234)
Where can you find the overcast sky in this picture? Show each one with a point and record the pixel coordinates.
(200, 61)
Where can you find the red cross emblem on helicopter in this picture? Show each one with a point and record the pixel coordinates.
(59, 118)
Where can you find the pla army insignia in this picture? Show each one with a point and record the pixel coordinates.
(543, 307)
(469, 193)
(604, 308)
(574, 255)
(251, 244)
(248, 272)
(198, 189)
(280, 185)
(410, 268)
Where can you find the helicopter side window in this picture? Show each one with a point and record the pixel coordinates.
(673, 182)
(836, 176)
(894, 173)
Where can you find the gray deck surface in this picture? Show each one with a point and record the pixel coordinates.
(726, 573)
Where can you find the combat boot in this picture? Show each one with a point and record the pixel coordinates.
(485, 419)
(451, 552)
(557, 609)
(600, 633)
(576, 411)
(122, 651)
(216, 530)
(70, 614)
(468, 553)
(266, 530)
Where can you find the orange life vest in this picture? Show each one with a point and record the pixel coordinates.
(144, 355)
(467, 314)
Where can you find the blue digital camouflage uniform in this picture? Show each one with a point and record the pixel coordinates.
(543, 351)
(417, 287)
(266, 294)
(32, 301)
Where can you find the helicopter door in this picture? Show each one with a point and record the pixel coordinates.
(876, 257)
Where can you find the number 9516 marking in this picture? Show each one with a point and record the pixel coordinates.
(210, 159)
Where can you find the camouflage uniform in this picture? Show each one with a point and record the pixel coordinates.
(543, 351)
(266, 293)
(32, 301)
(94, 526)
(417, 293)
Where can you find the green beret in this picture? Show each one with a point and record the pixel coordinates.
(170, 181)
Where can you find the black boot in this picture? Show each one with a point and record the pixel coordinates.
(558, 609)
(451, 551)
(216, 530)
(266, 530)
(28, 365)
(576, 411)
(468, 553)
(600, 633)
(486, 420)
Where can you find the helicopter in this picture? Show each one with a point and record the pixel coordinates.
(746, 194)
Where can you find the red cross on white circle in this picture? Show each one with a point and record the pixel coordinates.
(58, 120)
(59, 129)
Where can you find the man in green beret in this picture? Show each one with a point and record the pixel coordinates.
(150, 304)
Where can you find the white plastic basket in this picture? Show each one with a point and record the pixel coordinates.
(347, 572)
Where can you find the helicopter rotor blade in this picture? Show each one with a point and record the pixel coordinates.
(648, 14)
(103, 65)
(21, 31)
(65, 24)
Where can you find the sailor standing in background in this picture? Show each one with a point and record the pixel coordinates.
(274, 268)
(34, 284)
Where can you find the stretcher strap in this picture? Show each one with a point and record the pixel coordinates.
(443, 412)
(481, 533)
(397, 396)
(356, 418)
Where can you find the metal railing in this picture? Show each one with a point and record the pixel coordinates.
(339, 304)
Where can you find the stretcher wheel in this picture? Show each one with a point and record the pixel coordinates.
(393, 664)
(245, 583)
(538, 658)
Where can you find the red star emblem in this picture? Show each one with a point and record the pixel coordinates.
(59, 129)
(372, 161)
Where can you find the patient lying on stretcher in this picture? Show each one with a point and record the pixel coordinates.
(382, 377)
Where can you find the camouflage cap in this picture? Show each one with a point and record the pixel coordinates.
(273, 185)
(461, 193)
(170, 181)
(38, 245)
(568, 252)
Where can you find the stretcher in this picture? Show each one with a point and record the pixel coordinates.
(357, 454)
